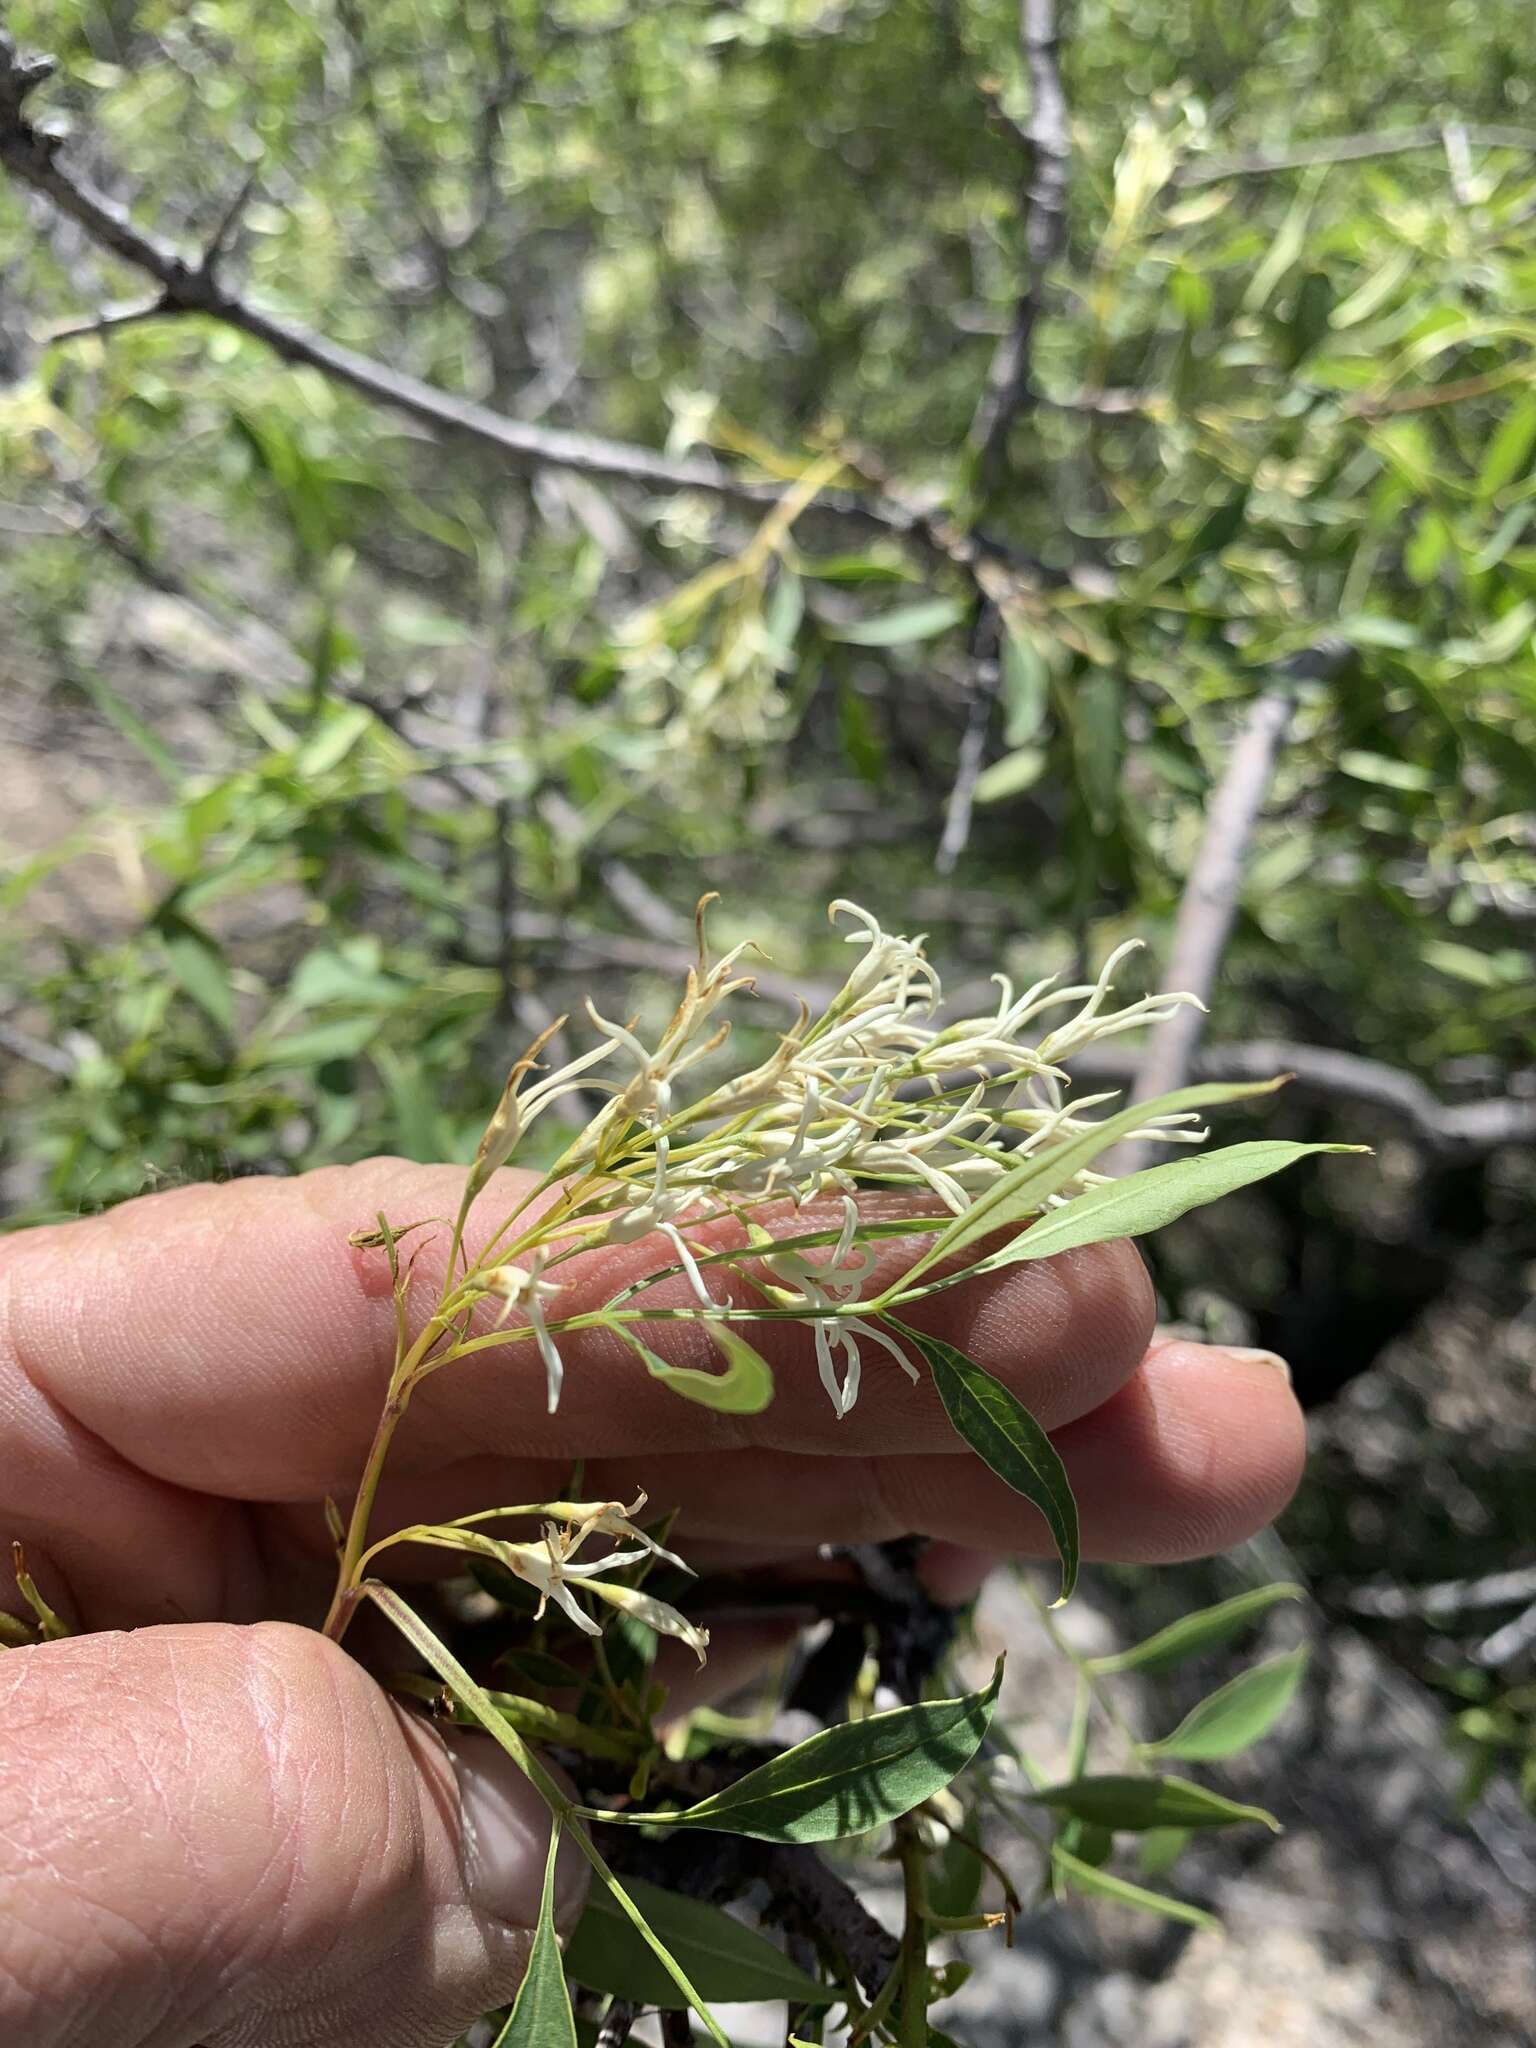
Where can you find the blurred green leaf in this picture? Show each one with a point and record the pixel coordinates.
(1192, 1635)
(1237, 1714)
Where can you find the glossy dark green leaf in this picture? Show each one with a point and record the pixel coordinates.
(726, 1961)
(1237, 1714)
(848, 1779)
(542, 2016)
(1000, 1429)
(1137, 1803)
(1193, 1634)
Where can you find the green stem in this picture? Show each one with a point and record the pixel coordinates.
(914, 1939)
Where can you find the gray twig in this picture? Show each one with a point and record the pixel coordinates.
(1348, 149)
(986, 675)
(1048, 132)
(1209, 901)
(189, 287)
(1449, 1129)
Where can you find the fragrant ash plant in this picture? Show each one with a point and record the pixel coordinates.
(975, 1119)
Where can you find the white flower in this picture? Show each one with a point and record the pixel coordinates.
(522, 1287)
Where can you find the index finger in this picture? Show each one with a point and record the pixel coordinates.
(230, 1340)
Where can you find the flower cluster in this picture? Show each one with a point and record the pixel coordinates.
(878, 1090)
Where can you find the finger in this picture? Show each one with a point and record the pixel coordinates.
(230, 1341)
(230, 1836)
(1199, 1450)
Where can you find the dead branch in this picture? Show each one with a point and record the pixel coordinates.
(1209, 901)
(1348, 149)
(1048, 133)
(1451, 1130)
(191, 285)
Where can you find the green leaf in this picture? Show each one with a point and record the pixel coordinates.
(1385, 771)
(1157, 1196)
(900, 628)
(1509, 452)
(1010, 776)
(343, 1038)
(1237, 1714)
(1085, 1878)
(199, 965)
(848, 1779)
(1020, 1195)
(1193, 1634)
(862, 741)
(727, 1962)
(744, 1388)
(331, 745)
(1000, 1429)
(1124, 1802)
(1025, 679)
(542, 2016)
(447, 1666)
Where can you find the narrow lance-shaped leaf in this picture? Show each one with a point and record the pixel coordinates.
(1237, 1714)
(728, 1962)
(474, 1696)
(1161, 1194)
(1086, 1878)
(542, 2016)
(1000, 1429)
(1137, 1804)
(1193, 1634)
(1020, 1195)
(848, 1779)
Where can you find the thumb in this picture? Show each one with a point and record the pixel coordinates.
(231, 1837)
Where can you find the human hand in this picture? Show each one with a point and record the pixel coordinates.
(217, 1829)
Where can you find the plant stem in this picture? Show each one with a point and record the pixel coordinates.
(345, 1598)
(914, 1939)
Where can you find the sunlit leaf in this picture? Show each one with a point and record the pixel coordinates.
(848, 1779)
(744, 1388)
(1237, 1714)
(1193, 1634)
(902, 627)
(1157, 1196)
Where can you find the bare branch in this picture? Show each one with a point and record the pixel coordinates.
(1348, 149)
(1209, 902)
(986, 676)
(126, 313)
(22, 1045)
(31, 155)
(1048, 130)
(1452, 1130)
(1448, 1597)
(228, 225)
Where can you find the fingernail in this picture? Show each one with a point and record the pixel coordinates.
(1250, 1357)
(505, 1834)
